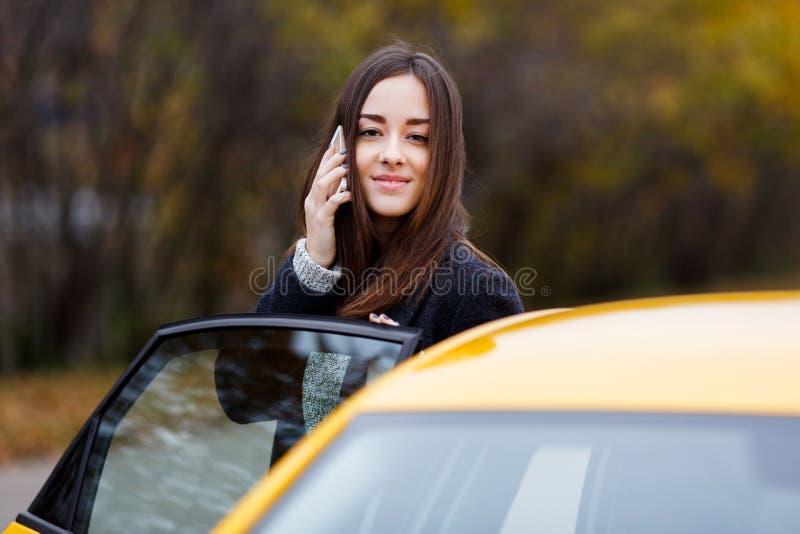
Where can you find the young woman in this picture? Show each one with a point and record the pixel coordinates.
(390, 244)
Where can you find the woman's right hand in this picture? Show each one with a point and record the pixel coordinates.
(321, 205)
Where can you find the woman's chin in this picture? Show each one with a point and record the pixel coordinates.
(390, 210)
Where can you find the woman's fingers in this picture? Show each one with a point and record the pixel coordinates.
(330, 182)
(335, 201)
(320, 207)
(382, 319)
(328, 164)
(321, 218)
(326, 186)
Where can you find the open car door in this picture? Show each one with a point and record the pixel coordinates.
(200, 415)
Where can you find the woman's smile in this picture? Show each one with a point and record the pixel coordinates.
(391, 182)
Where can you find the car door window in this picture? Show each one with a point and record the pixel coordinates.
(174, 459)
(206, 412)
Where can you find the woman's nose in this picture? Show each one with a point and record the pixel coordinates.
(392, 152)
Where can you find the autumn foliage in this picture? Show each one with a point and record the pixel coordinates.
(151, 153)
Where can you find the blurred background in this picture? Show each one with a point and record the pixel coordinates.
(151, 153)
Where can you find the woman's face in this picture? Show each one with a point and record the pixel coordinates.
(392, 151)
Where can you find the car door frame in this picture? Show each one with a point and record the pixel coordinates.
(407, 337)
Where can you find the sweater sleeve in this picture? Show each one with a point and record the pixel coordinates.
(490, 295)
(313, 276)
(301, 286)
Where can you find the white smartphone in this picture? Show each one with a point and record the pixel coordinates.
(338, 146)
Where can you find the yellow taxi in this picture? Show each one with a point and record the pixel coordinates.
(674, 414)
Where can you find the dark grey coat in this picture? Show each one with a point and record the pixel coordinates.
(465, 292)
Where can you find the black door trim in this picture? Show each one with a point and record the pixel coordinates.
(29, 520)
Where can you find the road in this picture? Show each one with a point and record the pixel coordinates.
(19, 482)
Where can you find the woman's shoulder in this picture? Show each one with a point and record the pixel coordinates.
(465, 274)
(468, 291)
(463, 259)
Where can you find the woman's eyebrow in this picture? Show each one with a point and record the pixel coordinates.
(382, 120)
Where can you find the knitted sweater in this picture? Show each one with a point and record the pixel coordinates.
(465, 292)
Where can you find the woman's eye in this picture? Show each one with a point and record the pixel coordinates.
(419, 138)
(370, 132)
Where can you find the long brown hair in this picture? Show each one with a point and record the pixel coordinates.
(377, 277)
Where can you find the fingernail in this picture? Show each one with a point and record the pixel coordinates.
(343, 152)
(373, 316)
(384, 316)
(345, 165)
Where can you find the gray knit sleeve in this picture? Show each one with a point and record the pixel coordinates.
(312, 275)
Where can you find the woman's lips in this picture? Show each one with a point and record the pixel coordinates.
(390, 182)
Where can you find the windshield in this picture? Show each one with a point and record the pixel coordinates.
(551, 473)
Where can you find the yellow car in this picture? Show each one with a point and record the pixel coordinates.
(661, 415)
(677, 414)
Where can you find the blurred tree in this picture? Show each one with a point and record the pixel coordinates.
(151, 152)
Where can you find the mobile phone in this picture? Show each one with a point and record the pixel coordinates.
(338, 146)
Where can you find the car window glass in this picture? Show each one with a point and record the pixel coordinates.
(555, 474)
(549, 492)
(206, 415)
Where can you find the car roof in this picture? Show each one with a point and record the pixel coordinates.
(718, 353)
